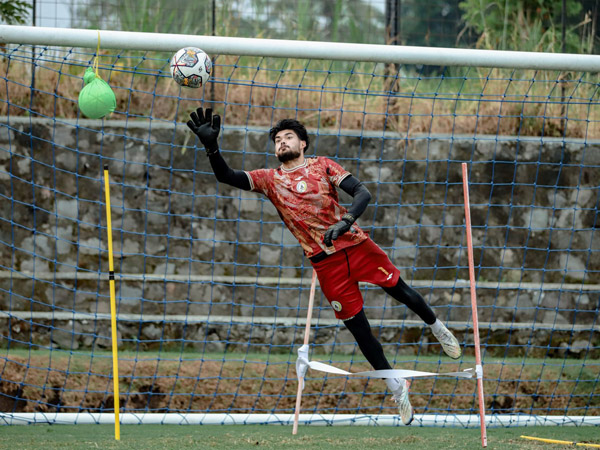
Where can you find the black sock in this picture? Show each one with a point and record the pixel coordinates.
(369, 345)
(411, 298)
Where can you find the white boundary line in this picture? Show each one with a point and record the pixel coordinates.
(439, 420)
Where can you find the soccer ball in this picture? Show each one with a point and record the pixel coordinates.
(191, 67)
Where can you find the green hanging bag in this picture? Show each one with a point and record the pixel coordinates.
(97, 98)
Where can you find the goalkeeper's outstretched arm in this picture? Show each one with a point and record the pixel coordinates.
(225, 174)
(207, 128)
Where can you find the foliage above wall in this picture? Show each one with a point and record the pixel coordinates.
(532, 25)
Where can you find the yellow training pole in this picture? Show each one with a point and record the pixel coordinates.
(113, 307)
(555, 441)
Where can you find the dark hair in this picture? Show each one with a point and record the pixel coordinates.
(290, 124)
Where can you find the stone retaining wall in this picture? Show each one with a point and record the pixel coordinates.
(534, 212)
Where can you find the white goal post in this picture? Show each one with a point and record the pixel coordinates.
(125, 40)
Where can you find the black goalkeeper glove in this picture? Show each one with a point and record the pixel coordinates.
(336, 230)
(207, 128)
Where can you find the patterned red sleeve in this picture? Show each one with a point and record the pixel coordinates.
(260, 180)
(336, 172)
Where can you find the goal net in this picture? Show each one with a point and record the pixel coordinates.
(211, 288)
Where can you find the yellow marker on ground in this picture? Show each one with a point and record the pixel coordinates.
(556, 441)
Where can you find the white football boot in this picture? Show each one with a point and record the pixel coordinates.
(446, 338)
(400, 396)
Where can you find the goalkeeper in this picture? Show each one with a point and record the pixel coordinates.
(304, 192)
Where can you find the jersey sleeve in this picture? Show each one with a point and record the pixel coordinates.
(259, 180)
(335, 172)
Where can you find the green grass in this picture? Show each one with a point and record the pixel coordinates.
(280, 437)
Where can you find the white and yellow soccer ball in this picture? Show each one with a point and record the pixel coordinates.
(191, 67)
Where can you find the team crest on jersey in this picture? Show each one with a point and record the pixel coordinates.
(301, 187)
(337, 306)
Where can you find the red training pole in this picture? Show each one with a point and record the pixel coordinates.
(479, 367)
(311, 300)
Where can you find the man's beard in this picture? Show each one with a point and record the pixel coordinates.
(288, 155)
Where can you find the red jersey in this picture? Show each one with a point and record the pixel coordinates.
(307, 201)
